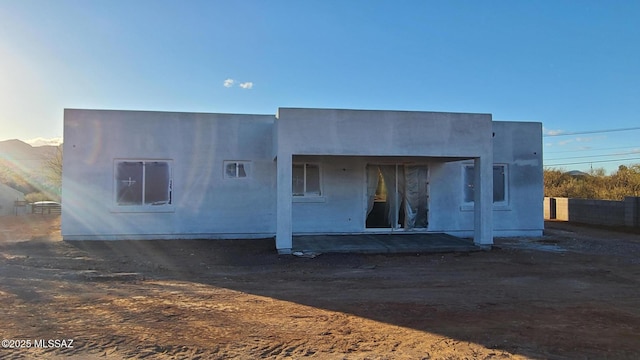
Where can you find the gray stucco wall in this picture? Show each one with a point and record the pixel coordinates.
(518, 146)
(445, 136)
(206, 205)
(204, 202)
(8, 196)
(342, 207)
(382, 133)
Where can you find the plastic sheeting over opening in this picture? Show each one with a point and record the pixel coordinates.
(414, 194)
(406, 195)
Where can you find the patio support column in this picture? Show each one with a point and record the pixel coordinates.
(283, 207)
(483, 201)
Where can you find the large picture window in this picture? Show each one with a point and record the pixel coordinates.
(499, 184)
(143, 182)
(306, 180)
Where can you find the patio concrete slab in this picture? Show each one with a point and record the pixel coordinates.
(382, 243)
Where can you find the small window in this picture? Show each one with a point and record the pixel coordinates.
(306, 180)
(499, 183)
(236, 169)
(143, 183)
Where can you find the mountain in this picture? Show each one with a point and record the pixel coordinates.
(40, 141)
(20, 150)
(576, 173)
(23, 166)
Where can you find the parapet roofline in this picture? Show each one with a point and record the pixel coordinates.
(380, 111)
(166, 112)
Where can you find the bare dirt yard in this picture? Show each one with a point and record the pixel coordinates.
(573, 294)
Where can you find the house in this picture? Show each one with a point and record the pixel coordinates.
(165, 175)
(8, 198)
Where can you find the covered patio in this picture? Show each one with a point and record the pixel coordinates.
(396, 147)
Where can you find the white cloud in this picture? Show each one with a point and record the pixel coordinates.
(231, 83)
(591, 138)
(630, 152)
(40, 141)
(550, 132)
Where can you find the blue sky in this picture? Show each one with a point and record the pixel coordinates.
(572, 65)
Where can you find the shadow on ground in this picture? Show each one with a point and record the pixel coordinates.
(523, 301)
(532, 303)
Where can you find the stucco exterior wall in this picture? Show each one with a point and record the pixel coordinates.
(446, 136)
(382, 133)
(342, 207)
(517, 146)
(8, 196)
(205, 204)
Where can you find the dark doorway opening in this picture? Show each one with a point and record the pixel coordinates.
(397, 196)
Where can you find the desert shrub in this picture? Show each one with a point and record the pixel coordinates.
(36, 196)
(596, 185)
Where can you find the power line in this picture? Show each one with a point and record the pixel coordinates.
(591, 132)
(594, 149)
(591, 162)
(593, 156)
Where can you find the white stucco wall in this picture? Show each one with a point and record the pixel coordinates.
(342, 207)
(205, 204)
(8, 196)
(518, 146)
(382, 133)
(445, 136)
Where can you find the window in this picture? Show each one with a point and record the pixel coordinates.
(306, 180)
(236, 169)
(499, 183)
(143, 183)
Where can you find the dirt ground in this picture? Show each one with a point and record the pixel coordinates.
(573, 294)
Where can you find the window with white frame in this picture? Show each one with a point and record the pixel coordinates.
(236, 169)
(143, 182)
(306, 179)
(499, 183)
